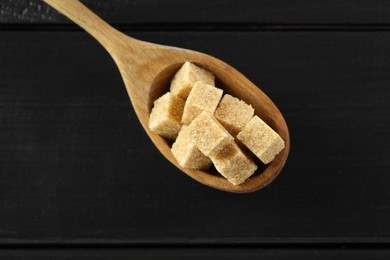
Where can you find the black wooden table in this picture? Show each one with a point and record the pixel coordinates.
(80, 179)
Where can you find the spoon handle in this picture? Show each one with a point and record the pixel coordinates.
(106, 35)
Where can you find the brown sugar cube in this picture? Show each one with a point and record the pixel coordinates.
(165, 118)
(261, 139)
(203, 97)
(185, 78)
(233, 164)
(208, 134)
(233, 114)
(187, 154)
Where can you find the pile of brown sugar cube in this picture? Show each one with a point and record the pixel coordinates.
(206, 128)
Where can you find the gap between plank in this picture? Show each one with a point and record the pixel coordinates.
(242, 27)
(316, 243)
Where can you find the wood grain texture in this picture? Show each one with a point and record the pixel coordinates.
(353, 12)
(143, 65)
(77, 166)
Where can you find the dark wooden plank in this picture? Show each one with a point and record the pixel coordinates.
(209, 12)
(76, 167)
(195, 253)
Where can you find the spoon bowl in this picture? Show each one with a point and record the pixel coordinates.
(147, 70)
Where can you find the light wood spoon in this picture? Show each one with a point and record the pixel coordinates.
(147, 69)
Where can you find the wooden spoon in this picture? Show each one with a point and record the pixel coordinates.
(147, 69)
